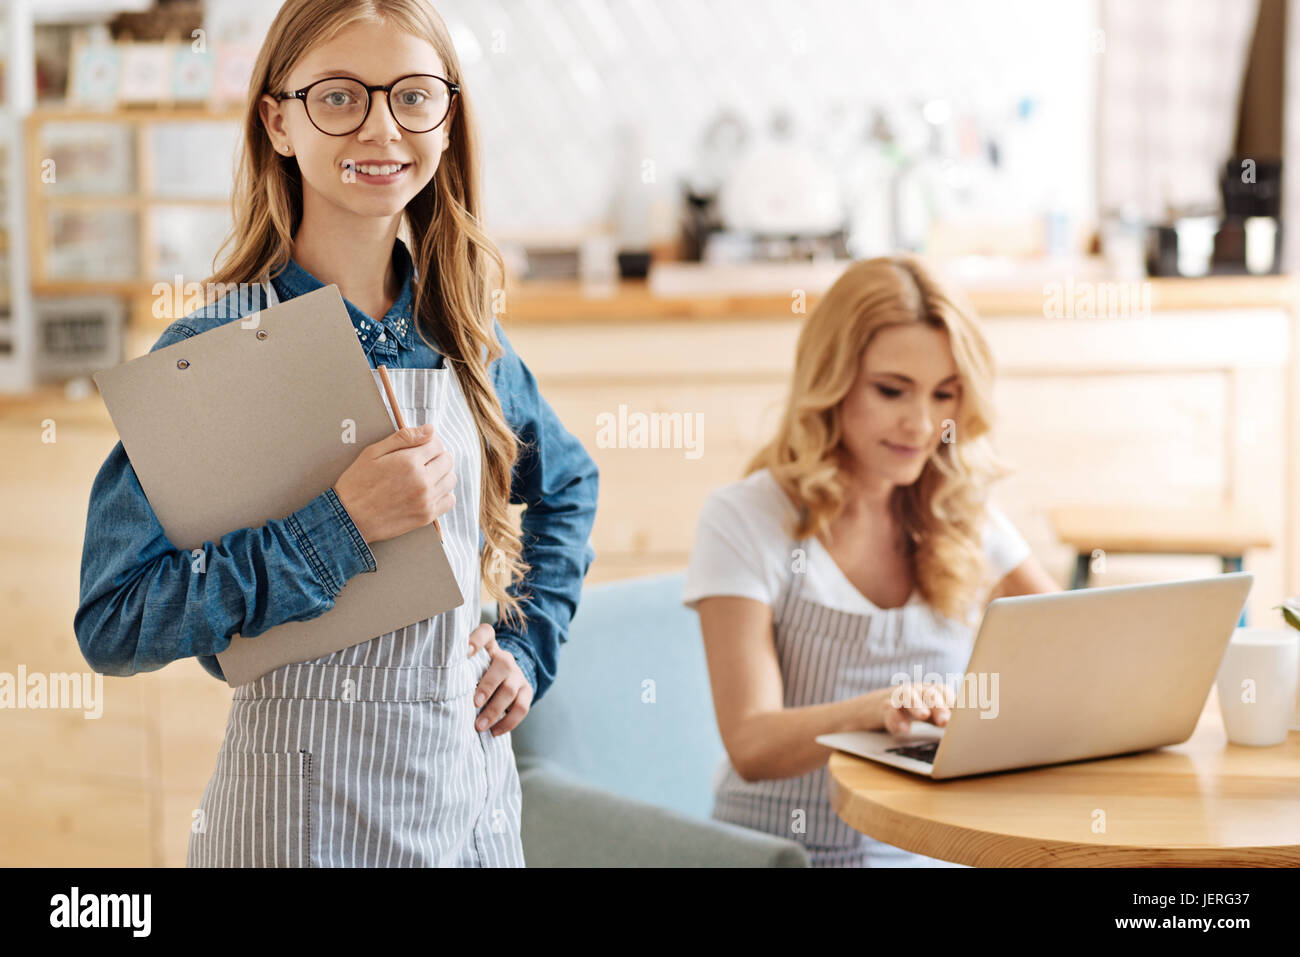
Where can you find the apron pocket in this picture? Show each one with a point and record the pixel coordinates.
(266, 817)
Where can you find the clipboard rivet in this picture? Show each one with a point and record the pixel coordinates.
(182, 363)
(261, 333)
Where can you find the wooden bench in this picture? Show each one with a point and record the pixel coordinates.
(1225, 531)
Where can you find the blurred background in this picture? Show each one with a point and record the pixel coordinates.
(673, 184)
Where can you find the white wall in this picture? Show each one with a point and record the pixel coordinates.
(553, 79)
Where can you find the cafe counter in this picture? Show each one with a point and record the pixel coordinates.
(1173, 392)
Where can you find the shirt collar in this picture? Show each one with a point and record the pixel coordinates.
(398, 323)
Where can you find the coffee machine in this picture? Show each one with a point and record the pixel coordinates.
(1246, 239)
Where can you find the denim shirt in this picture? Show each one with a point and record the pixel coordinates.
(141, 607)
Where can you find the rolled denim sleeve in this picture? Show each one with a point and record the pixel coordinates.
(557, 482)
(145, 603)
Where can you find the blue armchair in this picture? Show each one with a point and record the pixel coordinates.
(616, 761)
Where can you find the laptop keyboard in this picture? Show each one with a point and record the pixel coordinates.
(922, 752)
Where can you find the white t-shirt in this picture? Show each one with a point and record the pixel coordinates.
(742, 547)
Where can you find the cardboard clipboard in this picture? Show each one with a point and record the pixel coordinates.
(248, 422)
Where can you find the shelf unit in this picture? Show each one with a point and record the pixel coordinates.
(17, 341)
(143, 199)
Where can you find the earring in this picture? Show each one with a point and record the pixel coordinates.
(286, 149)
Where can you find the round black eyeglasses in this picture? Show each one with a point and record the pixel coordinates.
(339, 105)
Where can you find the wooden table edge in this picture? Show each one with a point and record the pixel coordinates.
(961, 845)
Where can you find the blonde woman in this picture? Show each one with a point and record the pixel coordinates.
(861, 543)
(395, 751)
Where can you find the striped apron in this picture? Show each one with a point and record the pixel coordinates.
(828, 655)
(368, 756)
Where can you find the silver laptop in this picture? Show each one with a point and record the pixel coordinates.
(1072, 675)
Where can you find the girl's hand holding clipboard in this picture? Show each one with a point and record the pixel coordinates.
(400, 483)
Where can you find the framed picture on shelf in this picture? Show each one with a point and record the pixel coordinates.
(88, 159)
(93, 79)
(192, 75)
(78, 335)
(91, 244)
(185, 241)
(146, 72)
(234, 69)
(199, 159)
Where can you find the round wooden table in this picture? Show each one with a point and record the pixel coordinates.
(1201, 803)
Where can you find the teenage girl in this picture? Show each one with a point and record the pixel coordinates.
(859, 545)
(395, 751)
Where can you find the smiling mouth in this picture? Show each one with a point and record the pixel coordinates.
(903, 449)
(376, 169)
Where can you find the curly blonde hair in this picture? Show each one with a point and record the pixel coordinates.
(943, 511)
(458, 265)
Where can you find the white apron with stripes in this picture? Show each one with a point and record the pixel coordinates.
(369, 756)
(830, 655)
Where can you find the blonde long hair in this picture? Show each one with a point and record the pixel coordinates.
(458, 265)
(942, 512)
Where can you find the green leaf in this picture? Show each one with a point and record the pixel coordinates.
(1291, 612)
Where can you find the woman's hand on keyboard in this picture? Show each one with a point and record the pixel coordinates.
(896, 707)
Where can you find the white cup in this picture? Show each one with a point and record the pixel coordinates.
(1195, 244)
(1257, 685)
(1261, 244)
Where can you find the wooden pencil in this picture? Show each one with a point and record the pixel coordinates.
(401, 424)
